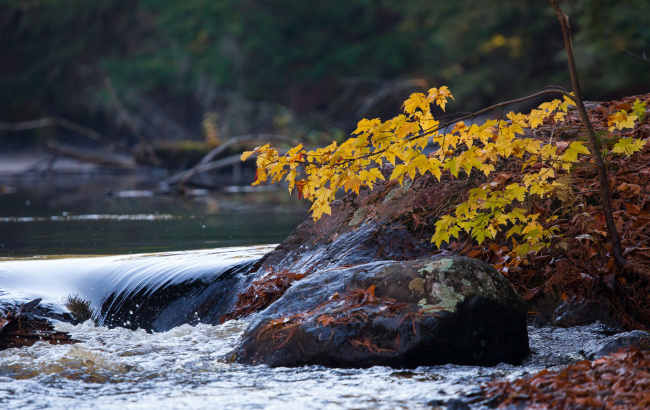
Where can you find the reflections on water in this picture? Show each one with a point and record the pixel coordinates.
(74, 215)
(95, 217)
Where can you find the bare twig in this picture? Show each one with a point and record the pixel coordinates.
(52, 121)
(605, 196)
(642, 57)
(206, 163)
(128, 120)
(388, 89)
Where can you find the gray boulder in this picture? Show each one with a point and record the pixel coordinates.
(635, 338)
(424, 312)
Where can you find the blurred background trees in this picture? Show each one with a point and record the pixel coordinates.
(183, 69)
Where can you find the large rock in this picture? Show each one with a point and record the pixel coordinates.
(389, 222)
(429, 311)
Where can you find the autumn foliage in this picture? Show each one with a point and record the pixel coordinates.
(261, 293)
(619, 381)
(457, 149)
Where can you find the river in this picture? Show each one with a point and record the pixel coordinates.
(64, 237)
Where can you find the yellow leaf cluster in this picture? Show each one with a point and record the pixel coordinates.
(621, 120)
(319, 174)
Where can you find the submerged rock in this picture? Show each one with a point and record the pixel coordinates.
(579, 312)
(429, 311)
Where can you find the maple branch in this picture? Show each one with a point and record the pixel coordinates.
(554, 90)
(605, 196)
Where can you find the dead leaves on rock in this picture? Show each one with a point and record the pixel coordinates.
(20, 328)
(619, 381)
(262, 293)
(352, 306)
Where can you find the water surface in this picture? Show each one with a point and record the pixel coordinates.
(73, 215)
(48, 227)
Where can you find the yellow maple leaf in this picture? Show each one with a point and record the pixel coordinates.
(366, 125)
(628, 146)
(246, 154)
(440, 96)
(416, 101)
(516, 191)
(352, 184)
(621, 120)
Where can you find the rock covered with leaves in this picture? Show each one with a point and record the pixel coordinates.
(619, 381)
(403, 314)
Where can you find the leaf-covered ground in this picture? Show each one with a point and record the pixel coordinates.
(580, 263)
(618, 381)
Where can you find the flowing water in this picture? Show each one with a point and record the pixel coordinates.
(187, 360)
(187, 366)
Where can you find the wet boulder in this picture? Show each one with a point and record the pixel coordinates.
(429, 311)
(389, 222)
(636, 338)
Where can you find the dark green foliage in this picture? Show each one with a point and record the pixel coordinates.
(78, 307)
(193, 56)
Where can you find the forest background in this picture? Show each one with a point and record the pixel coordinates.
(309, 70)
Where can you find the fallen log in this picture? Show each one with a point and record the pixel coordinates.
(94, 157)
(207, 163)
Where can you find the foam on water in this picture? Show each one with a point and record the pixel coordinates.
(192, 367)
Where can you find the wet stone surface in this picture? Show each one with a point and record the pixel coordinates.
(403, 314)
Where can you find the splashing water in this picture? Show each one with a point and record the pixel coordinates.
(194, 366)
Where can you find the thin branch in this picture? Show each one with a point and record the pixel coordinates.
(605, 196)
(52, 121)
(642, 57)
(204, 165)
(128, 120)
(465, 117)
(389, 89)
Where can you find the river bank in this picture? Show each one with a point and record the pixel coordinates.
(573, 286)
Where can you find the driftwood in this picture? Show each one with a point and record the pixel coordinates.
(20, 328)
(94, 157)
(206, 164)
